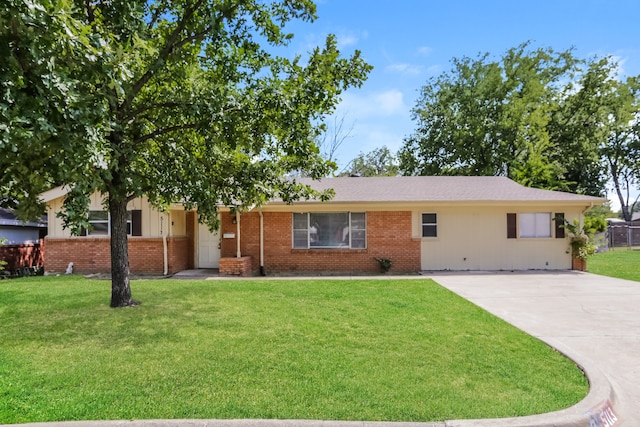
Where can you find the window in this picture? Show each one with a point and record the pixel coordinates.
(535, 224)
(101, 224)
(429, 225)
(346, 230)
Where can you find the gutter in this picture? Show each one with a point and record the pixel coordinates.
(238, 252)
(165, 249)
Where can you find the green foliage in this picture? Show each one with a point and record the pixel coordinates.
(385, 264)
(396, 350)
(581, 242)
(156, 98)
(378, 162)
(611, 112)
(537, 116)
(594, 224)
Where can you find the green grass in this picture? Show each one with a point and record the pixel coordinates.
(398, 350)
(622, 263)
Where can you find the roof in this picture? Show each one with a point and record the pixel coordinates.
(407, 189)
(8, 218)
(54, 193)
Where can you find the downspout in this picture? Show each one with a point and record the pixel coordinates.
(238, 253)
(262, 272)
(165, 249)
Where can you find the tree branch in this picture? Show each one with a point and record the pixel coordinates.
(146, 108)
(164, 131)
(89, 10)
(164, 53)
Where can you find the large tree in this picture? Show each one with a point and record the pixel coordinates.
(606, 109)
(178, 100)
(526, 115)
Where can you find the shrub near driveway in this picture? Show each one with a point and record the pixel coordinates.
(400, 350)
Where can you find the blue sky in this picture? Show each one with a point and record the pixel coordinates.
(408, 41)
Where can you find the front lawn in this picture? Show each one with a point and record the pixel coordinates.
(399, 350)
(622, 263)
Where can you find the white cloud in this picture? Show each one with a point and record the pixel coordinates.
(377, 104)
(350, 38)
(424, 51)
(406, 69)
(344, 38)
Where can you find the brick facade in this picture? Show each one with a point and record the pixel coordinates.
(236, 266)
(388, 236)
(93, 254)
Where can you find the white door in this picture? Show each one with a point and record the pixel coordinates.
(208, 248)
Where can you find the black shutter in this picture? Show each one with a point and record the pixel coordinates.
(136, 223)
(559, 219)
(512, 231)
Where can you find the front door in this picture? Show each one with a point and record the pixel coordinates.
(208, 248)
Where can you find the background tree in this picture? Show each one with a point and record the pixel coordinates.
(489, 117)
(177, 100)
(529, 116)
(609, 112)
(378, 162)
(333, 137)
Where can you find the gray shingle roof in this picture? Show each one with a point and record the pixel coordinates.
(440, 189)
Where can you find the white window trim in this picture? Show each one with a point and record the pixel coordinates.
(108, 221)
(431, 224)
(308, 229)
(540, 219)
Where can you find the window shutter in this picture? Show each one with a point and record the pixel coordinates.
(512, 231)
(559, 219)
(136, 223)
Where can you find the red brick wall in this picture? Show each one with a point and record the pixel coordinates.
(388, 235)
(93, 254)
(236, 266)
(179, 249)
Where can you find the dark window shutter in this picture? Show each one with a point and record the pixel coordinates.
(512, 231)
(136, 223)
(559, 218)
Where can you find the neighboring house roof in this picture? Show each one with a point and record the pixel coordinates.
(401, 189)
(7, 218)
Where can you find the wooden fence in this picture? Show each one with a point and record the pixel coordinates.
(623, 234)
(22, 260)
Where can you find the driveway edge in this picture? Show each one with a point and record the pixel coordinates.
(599, 403)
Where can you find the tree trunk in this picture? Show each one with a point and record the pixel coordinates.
(120, 288)
(624, 204)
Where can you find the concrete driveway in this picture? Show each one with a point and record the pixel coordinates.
(595, 320)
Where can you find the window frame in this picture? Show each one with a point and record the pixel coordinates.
(90, 233)
(433, 224)
(532, 230)
(300, 232)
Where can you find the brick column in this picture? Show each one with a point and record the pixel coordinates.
(236, 266)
